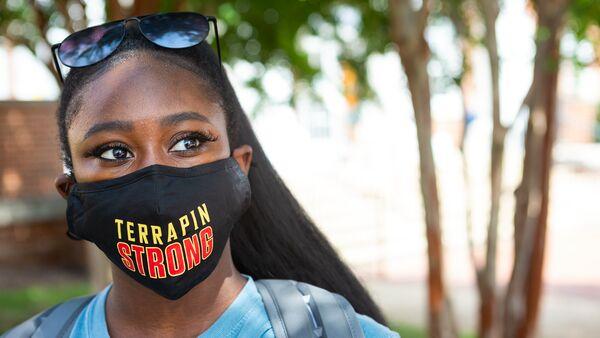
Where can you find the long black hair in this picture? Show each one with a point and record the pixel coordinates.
(275, 238)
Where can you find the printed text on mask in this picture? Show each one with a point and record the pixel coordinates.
(178, 256)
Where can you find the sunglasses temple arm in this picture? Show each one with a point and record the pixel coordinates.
(214, 21)
(56, 64)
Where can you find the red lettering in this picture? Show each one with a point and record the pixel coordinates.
(125, 252)
(206, 237)
(156, 266)
(175, 262)
(191, 247)
(138, 251)
(176, 258)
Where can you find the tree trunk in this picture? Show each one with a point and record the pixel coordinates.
(407, 31)
(487, 286)
(524, 290)
(114, 10)
(142, 7)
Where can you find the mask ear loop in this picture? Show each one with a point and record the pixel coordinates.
(73, 236)
(69, 233)
(71, 176)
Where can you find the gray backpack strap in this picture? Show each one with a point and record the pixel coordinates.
(286, 308)
(336, 315)
(60, 322)
(324, 313)
(28, 327)
(55, 322)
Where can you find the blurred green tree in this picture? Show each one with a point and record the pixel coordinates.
(408, 22)
(263, 33)
(464, 14)
(554, 17)
(581, 18)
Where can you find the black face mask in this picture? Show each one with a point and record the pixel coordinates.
(166, 227)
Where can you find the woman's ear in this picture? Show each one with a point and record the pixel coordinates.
(243, 155)
(63, 184)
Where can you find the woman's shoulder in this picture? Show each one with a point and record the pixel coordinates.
(371, 328)
(51, 320)
(284, 299)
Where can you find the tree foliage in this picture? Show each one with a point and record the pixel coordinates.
(584, 22)
(263, 33)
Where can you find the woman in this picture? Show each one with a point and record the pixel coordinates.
(166, 176)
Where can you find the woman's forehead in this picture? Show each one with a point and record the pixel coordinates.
(144, 88)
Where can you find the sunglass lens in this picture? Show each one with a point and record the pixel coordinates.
(90, 45)
(175, 30)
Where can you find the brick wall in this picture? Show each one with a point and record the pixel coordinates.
(32, 213)
(29, 149)
(40, 244)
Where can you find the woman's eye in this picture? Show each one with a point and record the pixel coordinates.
(186, 144)
(115, 154)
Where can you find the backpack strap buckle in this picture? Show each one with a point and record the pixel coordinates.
(302, 310)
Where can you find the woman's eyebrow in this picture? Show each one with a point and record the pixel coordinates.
(109, 126)
(183, 116)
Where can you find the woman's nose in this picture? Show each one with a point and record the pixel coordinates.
(153, 154)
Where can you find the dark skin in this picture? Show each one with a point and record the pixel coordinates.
(145, 112)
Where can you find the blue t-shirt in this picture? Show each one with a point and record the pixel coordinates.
(245, 317)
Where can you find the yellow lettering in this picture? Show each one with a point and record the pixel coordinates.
(143, 233)
(172, 233)
(130, 232)
(204, 216)
(184, 222)
(194, 219)
(156, 234)
(118, 222)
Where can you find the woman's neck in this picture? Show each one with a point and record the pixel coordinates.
(132, 310)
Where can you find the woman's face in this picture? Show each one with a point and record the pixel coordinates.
(145, 112)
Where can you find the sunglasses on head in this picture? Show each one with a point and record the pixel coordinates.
(170, 30)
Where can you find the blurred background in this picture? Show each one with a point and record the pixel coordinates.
(449, 150)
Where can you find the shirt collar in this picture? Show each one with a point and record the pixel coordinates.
(229, 322)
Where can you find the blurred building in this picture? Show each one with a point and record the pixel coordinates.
(32, 214)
